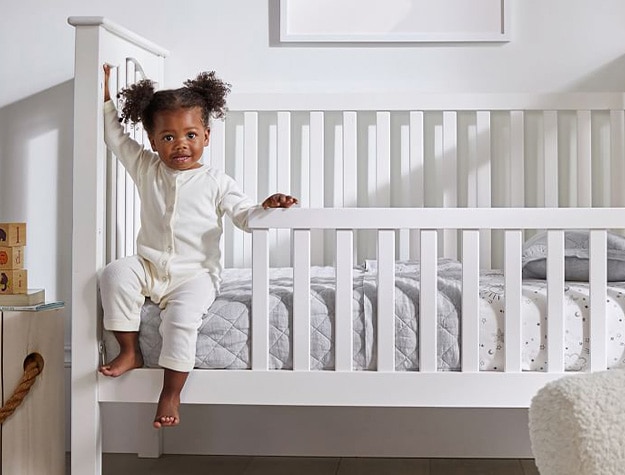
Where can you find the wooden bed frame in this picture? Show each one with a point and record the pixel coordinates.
(381, 153)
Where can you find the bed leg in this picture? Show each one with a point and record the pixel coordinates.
(150, 440)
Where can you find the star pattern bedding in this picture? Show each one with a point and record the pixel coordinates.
(223, 341)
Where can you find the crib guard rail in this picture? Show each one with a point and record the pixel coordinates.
(427, 223)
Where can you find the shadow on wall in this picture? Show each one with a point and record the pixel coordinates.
(609, 77)
(36, 143)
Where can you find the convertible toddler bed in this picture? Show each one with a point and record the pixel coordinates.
(449, 251)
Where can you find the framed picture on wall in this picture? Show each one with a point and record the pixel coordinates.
(394, 21)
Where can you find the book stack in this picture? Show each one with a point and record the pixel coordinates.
(13, 276)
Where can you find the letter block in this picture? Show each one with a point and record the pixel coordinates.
(11, 257)
(13, 281)
(12, 234)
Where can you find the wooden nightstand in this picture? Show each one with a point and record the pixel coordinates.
(33, 438)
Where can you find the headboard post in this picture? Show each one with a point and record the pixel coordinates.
(98, 41)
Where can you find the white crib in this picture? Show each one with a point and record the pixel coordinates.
(391, 176)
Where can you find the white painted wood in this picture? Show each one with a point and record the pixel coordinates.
(405, 101)
(217, 145)
(383, 159)
(386, 300)
(260, 300)
(283, 182)
(512, 326)
(250, 173)
(584, 157)
(350, 159)
(428, 302)
(88, 208)
(598, 296)
(417, 198)
(439, 218)
(517, 159)
(336, 388)
(550, 130)
(301, 300)
(315, 177)
(33, 437)
(617, 154)
(484, 186)
(449, 178)
(344, 300)
(470, 352)
(555, 301)
(149, 441)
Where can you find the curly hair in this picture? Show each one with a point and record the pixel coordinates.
(140, 101)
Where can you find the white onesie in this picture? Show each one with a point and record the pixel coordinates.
(177, 244)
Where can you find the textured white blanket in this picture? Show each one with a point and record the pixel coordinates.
(577, 425)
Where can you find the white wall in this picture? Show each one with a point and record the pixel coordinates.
(557, 45)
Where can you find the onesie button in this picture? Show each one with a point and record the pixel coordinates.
(163, 263)
(169, 249)
(164, 278)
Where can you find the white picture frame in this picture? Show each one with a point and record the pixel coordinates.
(394, 21)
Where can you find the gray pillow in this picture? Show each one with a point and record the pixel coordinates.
(576, 260)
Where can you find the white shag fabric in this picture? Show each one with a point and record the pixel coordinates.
(577, 425)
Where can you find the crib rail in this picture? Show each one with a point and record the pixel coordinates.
(429, 222)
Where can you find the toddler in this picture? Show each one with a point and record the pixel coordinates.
(182, 204)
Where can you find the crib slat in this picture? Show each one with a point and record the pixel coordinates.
(217, 145)
(584, 154)
(555, 301)
(315, 176)
(550, 144)
(283, 184)
(598, 296)
(386, 300)
(350, 159)
(129, 226)
(470, 300)
(428, 317)
(217, 159)
(344, 300)
(517, 158)
(512, 326)
(121, 211)
(383, 159)
(417, 155)
(316, 159)
(405, 185)
(617, 156)
(449, 179)
(483, 143)
(250, 171)
(260, 300)
(301, 300)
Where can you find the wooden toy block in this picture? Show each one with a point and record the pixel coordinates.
(11, 257)
(13, 281)
(12, 234)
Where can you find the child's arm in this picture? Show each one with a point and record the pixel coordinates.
(279, 200)
(107, 75)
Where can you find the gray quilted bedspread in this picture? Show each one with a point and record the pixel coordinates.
(223, 340)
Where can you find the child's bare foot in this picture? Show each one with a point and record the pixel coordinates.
(124, 362)
(167, 411)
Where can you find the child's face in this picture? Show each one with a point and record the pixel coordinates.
(179, 137)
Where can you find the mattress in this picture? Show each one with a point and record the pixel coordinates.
(224, 343)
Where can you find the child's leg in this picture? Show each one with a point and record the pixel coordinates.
(122, 289)
(129, 355)
(169, 400)
(181, 318)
